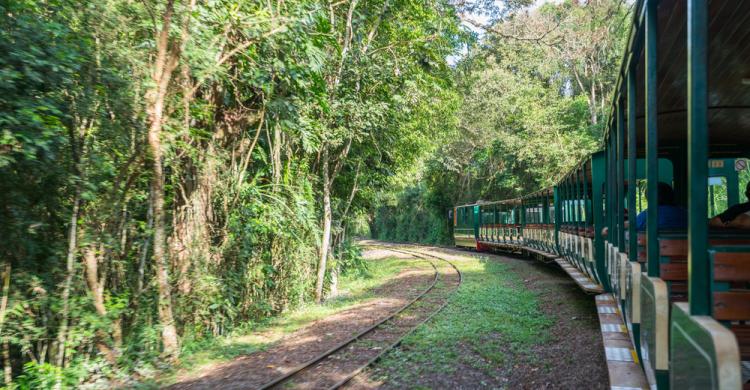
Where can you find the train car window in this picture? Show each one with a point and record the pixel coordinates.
(743, 176)
(641, 202)
(717, 195)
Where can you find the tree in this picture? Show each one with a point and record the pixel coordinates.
(170, 169)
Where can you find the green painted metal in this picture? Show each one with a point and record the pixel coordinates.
(620, 168)
(576, 194)
(496, 222)
(477, 220)
(587, 205)
(699, 273)
(564, 202)
(632, 167)
(733, 187)
(697, 365)
(558, 216)
(652, 165)
(665, 170)
(545, 216)
(578, 188)
(612, 195)
(522, 211)
(598, 170)
(725, 168)
(653, 296)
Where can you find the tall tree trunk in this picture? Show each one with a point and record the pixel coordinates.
(62, 332)
(327, 217)
(276, 156)
(91, 261)
(6, 293)
(191, 238)
(144, 248)
(7, 369)
(166, 318)
(155, 97)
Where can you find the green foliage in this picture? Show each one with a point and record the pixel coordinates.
(350, 260)
(533, 92)
(413, 215)
(259, 90)
(253, 336)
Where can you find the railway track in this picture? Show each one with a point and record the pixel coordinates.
(340, 364)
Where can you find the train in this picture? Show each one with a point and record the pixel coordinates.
(673, 299)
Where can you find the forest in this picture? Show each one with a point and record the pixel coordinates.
(173, 171)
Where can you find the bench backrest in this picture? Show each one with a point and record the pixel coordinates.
(730, 293)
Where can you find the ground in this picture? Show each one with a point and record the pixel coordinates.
(514, 323)
(379, 290)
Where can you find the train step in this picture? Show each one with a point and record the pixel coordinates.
(625, 371)
(583, 281)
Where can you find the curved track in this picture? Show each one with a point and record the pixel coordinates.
(337, 366)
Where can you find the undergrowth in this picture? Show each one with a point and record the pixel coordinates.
(355, 288)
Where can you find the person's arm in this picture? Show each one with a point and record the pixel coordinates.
(741, 222)
(731, 213)
(716, 222)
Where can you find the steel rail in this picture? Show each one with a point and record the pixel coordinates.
(296, 370)
(400, 339)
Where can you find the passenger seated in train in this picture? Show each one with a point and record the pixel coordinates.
(670, 216)
(737, 216)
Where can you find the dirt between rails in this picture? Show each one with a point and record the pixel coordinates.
(572, 358)
(253, 370)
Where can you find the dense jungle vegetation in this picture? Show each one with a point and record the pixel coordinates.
(172, 170)
(534, 90)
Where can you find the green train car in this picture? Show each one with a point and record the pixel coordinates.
(673, 293)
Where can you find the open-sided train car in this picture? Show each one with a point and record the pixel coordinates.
(680, 115)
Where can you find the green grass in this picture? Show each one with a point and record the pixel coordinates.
(490, 321)
(256, 336)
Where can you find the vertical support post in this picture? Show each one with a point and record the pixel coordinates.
(733, 185)
(558, 216)
(477, 223)
(620, 168)
(545, 219)
(611, 187)
(632, 168)
(563, 206)
(495, 218)
(522, 220)
(699, 270)
(586, 203)
(611, 195)
(652, 157)
(569, 203)
(578, 196)
(598, 169)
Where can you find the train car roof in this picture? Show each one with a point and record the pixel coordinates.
(728, 76)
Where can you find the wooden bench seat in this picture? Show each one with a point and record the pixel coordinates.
(673, 243)
(742, 332)
(731, 296)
